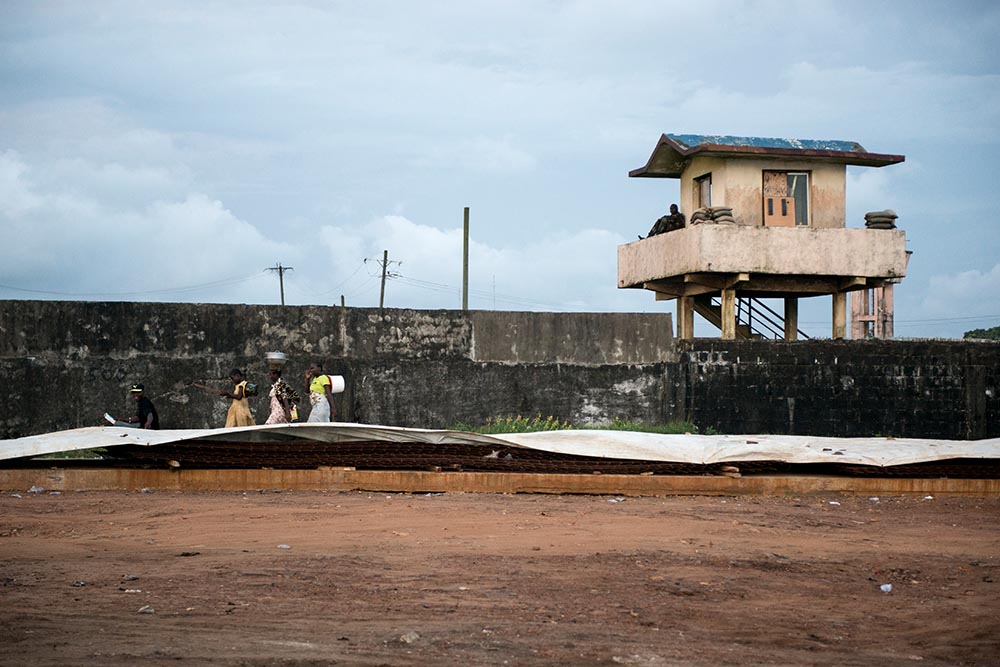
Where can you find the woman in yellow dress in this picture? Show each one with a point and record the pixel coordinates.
(239, 412)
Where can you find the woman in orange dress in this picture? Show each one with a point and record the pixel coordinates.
(239, 412)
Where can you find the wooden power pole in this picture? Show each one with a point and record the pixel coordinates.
(281, 277)
(465, 262)
(385, 267)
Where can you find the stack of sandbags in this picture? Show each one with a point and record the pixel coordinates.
(723, 215)
(701, 216)
(720, 214)
(881, 219)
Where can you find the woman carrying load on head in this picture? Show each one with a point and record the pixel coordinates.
(239, 412)
(283, 399)
(320, 395)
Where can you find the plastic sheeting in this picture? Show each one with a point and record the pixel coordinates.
(685, 448)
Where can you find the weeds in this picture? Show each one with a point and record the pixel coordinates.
(516, 424)
(519, 424)
(95, 453)
(644, 427)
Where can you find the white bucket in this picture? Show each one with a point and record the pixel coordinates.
(337, 384)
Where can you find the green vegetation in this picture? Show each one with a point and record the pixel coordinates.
(519, 424)
(95, 453)
(984, 334)
(516, 424)
(643, 427)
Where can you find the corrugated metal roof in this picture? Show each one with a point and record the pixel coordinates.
(673, 151)
(692, 140)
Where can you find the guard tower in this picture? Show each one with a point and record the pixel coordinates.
(766, 218)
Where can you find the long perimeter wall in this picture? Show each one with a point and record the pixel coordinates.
(63, 364)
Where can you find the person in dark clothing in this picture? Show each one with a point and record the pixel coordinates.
(145, 416)
(668, 223)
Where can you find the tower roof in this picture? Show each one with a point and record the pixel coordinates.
(673, 150)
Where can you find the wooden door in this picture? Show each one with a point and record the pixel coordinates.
(779, 211)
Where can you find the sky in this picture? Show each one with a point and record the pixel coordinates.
(166, 151)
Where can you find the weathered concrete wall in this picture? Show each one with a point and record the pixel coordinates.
(827, 190)
(63, 364)
(444, 393)
(738, 183)
(570, 338)
(700, 166)
(709, 248)
(930, 389)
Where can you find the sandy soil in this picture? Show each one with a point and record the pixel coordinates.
(467, 579)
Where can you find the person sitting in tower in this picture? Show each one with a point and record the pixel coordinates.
(668, 223)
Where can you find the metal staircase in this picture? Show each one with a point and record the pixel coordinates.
(754, 319)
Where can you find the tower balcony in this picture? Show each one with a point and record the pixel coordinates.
(762, 262)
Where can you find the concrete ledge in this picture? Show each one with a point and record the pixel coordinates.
(709, 248)
(119, 479)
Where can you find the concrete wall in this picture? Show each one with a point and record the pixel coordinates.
(696, 168)
(796, 251)
(738, 183)
(930, 389)
(63, 364)
(570, 338)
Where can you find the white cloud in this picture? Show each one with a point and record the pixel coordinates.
(572, 271)
(94, 243)
(481, 154)
(317, 134)
(869, 190)
(964, 294)
(15, 197)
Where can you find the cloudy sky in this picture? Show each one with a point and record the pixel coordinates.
(168, 151)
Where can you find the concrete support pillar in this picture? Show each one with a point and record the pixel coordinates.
(685, 317)
(886, 314)
(728, 314)
(791, 318)
(857, 303)
(839, 315)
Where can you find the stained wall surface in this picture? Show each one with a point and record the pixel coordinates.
(63, 364)
(738, 184)
(901, 388)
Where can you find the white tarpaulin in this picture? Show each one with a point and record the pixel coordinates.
(686, 448)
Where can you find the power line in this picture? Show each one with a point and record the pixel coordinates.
(337, 286)
(363, 288)
(951, 319)
(449, 289)
(169, 290)
(971, 318)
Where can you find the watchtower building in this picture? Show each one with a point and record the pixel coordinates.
(766, 218)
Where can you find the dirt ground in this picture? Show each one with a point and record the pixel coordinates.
(309, 578)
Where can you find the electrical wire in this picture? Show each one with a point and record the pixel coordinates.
(337, 286)
(169, 290)
(971, 318)
(450, 289)
(363, 288)
(943, 320)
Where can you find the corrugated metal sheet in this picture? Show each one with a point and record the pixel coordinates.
(692, 140)
(686, 448)
(673, 150)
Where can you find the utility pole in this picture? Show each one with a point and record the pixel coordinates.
(465, 262)
(281, 277)
(385, 274)
(385, 267)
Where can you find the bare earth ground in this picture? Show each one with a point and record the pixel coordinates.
(469, 579)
